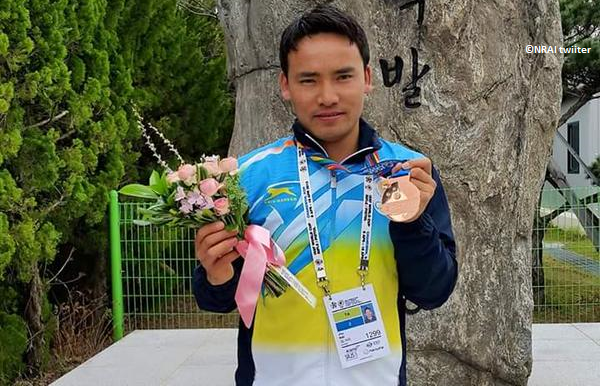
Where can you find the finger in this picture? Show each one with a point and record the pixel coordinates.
(208, 229)
(420, 175)
(220, 249)
(423, 163)
(216, 238)
(201, 234)
(424, 187)
(228, 258)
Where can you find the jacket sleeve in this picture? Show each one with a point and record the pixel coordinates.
(219, 298)
(425, 253)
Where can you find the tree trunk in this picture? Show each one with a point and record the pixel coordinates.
(34, 320)
(488, 115)
(537, 264)
(99, 276)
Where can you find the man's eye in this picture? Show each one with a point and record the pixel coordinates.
(345, 76)
(307, 81)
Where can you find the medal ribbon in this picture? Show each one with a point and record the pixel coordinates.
(375, 167)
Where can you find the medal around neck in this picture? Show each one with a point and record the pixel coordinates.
(399, 198)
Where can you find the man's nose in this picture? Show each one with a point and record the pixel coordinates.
(328, 95)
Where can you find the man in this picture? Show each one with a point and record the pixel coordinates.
(368, 315)
(325, 76)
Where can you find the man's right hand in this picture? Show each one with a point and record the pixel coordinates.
(215, 250)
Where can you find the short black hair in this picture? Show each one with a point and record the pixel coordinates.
(322, 19)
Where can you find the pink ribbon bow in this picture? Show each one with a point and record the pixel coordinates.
(258, 249)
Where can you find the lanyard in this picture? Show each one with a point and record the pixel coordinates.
(313, 231)
(375, 167)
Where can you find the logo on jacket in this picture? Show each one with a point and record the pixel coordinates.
(280, 195)
(274, 192)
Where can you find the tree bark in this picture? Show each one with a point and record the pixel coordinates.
(537, 264)
(34, 320)
(488, 116)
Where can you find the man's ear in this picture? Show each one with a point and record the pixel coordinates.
(368, 79)
(284, 86)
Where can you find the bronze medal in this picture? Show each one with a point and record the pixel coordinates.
(399, 199)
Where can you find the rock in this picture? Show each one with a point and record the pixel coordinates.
(488, 115)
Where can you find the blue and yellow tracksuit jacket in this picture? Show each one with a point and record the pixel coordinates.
(291, 343)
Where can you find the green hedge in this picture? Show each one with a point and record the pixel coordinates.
(69, 71)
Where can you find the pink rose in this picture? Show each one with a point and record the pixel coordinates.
(187, 173)
(222, 206)
(209, 186)
(212, 167)
(172, 177)
(228, 164)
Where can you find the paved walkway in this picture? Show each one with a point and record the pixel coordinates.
(566, 354)
(563, 354)
(580, 261)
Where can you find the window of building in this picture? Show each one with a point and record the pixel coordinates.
(573, 139)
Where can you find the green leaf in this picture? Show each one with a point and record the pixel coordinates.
(158, 183)
(154, 178)
(163, 179)
(146, 212)
(171, 199)
(159, 189)
(138, 191)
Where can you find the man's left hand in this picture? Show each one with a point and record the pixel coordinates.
(420, 176)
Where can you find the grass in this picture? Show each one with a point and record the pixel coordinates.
(573, 241)
(571, 294)
(84, 329)
(179, 313)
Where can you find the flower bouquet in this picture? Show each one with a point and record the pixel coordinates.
(200, 193)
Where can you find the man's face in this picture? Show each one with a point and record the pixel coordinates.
(369, 314)
(326, 85)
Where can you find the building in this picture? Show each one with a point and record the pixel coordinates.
(582, 131)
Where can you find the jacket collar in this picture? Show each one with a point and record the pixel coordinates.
(368, 141)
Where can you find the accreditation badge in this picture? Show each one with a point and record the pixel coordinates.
(357, 325)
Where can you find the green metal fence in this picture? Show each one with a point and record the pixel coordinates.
(152, 267)
(565, 257)
(152, 270)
